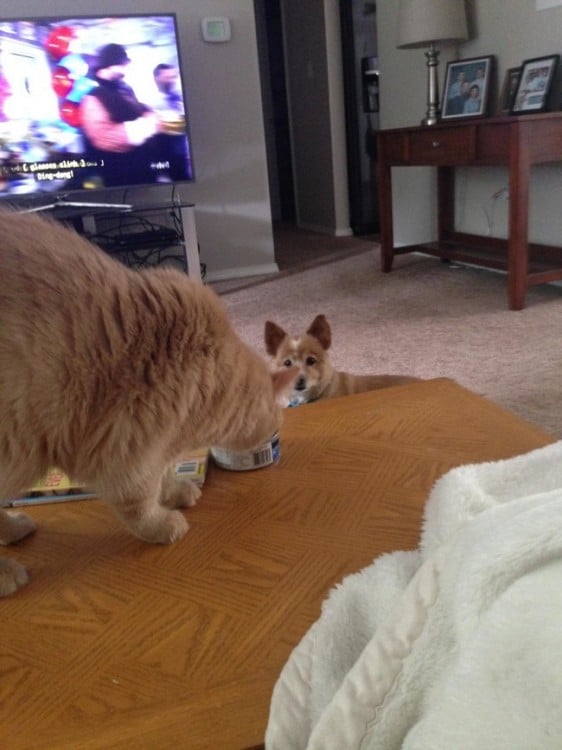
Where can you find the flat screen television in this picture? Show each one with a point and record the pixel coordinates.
(91, 103)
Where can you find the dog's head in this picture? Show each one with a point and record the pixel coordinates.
(308, 352)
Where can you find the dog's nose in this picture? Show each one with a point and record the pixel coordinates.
(300, 385)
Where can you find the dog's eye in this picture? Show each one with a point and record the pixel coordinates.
(288, 363)
(310, 361)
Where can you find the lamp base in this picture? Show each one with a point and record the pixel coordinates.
(433, 110)
(429, 121)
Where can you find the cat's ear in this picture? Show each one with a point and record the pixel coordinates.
(284, 380)
(273, 336)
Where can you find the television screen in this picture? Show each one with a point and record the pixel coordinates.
(89, 103)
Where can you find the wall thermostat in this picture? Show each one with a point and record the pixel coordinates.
(216, 29)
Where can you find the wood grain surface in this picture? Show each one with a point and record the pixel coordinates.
(116, 644)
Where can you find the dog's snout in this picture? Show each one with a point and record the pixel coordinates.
(300, 385)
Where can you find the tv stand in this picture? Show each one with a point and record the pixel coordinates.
(144, 236)
(78, 204)
(120, 229)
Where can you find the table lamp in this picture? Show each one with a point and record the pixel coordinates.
(427, 23)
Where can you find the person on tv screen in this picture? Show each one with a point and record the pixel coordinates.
(117, 127)
(171, 142)
(166, 79)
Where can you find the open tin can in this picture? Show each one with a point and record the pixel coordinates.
(266, 454)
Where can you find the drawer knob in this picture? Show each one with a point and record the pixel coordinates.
(435, 144)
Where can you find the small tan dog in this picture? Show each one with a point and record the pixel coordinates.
(317, 376)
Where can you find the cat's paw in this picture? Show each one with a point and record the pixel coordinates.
(169, 527)
(182, 494)
(15, 526)
(12, 577)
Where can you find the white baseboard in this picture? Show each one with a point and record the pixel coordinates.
(241, 271)
(345, 232)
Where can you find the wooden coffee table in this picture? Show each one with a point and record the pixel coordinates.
(116, 644)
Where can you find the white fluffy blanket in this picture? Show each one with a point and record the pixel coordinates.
(456, 646)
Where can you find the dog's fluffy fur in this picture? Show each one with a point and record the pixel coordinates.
(109, 373)
(317, 377)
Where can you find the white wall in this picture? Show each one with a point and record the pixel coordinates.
(231, 193)
(512, 30)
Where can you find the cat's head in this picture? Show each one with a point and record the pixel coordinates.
(261, 413)
(233, 398)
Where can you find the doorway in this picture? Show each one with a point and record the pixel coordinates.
(269, 29)
(362, 118)
(358, 22)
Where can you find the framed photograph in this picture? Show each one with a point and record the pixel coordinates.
(467, 87)
(534, 84)
(509, 88)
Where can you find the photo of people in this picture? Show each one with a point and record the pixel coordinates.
(534, 84)
(91, 103)
(466, 87)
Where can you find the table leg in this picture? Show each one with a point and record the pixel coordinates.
(385, 209)
(518, 245)
(191, 246)
(445, 202)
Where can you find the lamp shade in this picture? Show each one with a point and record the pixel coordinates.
(421, 22)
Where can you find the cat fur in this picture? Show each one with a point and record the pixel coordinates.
(108, 374)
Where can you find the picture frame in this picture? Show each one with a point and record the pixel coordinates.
(534, 84)
(508, 90)
(467, 87)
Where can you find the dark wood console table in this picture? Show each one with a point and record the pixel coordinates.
(514, 142)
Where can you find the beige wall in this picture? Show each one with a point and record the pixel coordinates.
(512, 31)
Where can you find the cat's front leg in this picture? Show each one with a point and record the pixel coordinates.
(12, 577)
(14, 526)
(139, 508)
(178, 492)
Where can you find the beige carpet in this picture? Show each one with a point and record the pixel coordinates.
(426, 318)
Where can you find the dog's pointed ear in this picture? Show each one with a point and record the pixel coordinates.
(320, 329)
(273, 336)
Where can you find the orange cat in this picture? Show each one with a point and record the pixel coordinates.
(109, 373)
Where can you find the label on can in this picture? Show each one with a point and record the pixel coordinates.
(267, 454)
